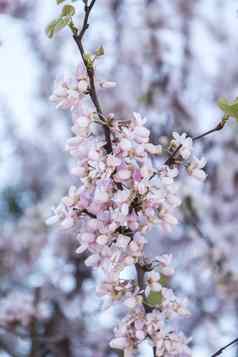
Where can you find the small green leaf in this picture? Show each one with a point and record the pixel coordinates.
(100, 51)
(59, 1)
(57, 25)
(229, 108)
(50, 30)
(68, 10)
(154, 298)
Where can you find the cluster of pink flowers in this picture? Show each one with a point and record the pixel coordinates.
(194, 165)
(146, 323)
(69, 91)
(138, 326)
(121, 197)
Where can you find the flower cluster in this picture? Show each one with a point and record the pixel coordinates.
(151, 320)
(121, 197)
(69, 91)
(138, 326)
(184, 144)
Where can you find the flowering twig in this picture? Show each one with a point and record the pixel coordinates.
(93, 94)
(78, 37)
(218, 127)
(120, 203)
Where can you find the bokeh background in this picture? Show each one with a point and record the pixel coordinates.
(171, 60)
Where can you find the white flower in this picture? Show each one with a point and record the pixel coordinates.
(153, 149)
(133, 301)
(152, 282)
(93, 260)
(166, 267)
(101, 195)
(123, 174)
(122, 241)
(67, 223)
(195, 169)
(125, 144)
(83, 121)
(52, 220)
(167, 217)
(186, 142)
(103, 239)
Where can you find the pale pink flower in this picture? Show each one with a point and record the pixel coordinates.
(195, 168)
(165, 266)
(186, 142)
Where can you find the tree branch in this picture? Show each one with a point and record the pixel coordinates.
(78, 37)
(221, 350)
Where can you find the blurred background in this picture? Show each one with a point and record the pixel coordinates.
(171, 60)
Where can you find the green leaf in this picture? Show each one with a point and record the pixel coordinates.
(59, 1)
(68, 10)
(154, 298)
(229, 108)
(50, 30)
(100, 51)
(57, 25)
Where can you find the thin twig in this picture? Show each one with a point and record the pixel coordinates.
(219, 127)
(221, 350)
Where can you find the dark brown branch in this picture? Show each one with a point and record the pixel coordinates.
(140, 270)
(219, 126)
(221, 350)
(87, 9)
(78, 37)
(170, 160)
(140, 279)
(92, 215)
